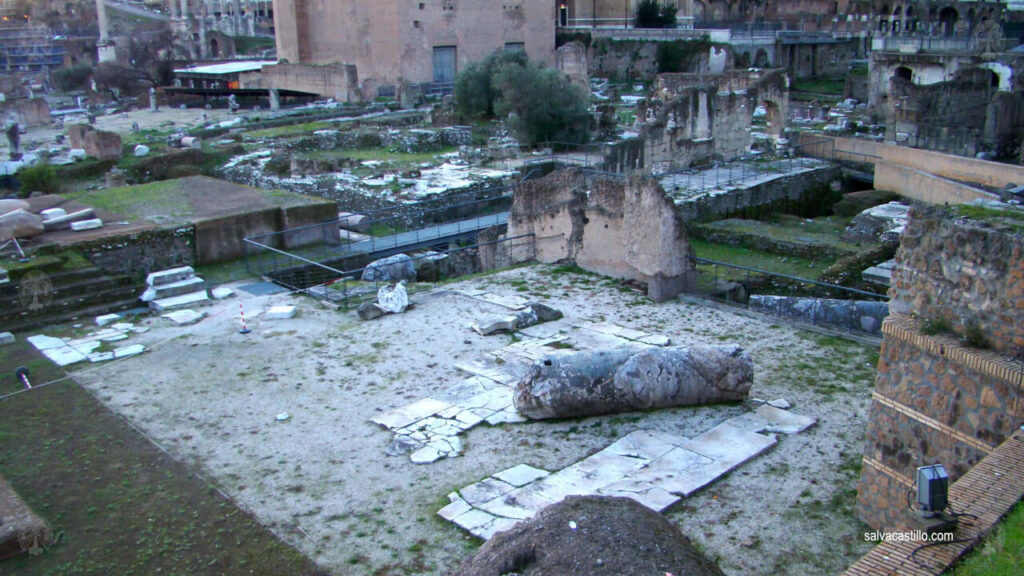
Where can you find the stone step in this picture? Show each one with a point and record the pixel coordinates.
(23, 323)
(161, 291)
(181, 301)
(82, 287)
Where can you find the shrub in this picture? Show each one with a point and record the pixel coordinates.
(40, 177)
(652, 14)
(70, 78)
(935, 325)
(681, 55)
(974, 337)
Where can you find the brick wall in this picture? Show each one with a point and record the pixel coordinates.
(935, 399)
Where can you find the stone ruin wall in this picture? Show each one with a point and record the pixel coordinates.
(936, 400)
(691, 118)
(964, 272)
(627, 230)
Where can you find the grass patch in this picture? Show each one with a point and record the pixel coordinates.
(122, 505)
(790, 265)
(1012, 218)
(250, 44)
(142, 201)
(290, 131)
(1002, 554)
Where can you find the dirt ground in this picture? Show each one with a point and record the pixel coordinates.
(321, 480)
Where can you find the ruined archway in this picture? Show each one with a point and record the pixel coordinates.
(903, 73)
(774, 118)
(719, 11)
(948, 18)
(699, 11)
(761, 58)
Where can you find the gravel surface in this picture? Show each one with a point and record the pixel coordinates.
(321, 480)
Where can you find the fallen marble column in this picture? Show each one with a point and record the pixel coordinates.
(664, 377)
(589, 383)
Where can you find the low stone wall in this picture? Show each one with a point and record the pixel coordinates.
(140, 253)
(338, 81)
(960, 168)
(855, 315)
(223, 239)
(783, 193)
(923, 186)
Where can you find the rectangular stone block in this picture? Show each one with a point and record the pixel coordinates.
(182, 301)
(170, 275)
(90, 224)
(280, 313)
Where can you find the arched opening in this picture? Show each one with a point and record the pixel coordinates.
(896, 27)
(761, 59)
(883, 26)
(774, 118)
(214, 48)
(903, 73)
(563, 14)
(947, 19)
(719, 11)
(743, 60)
(698, 11)
(971, 19)
(993, 80)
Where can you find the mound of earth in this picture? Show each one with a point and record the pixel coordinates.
(590, 535)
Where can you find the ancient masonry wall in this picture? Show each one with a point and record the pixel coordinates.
(143, 252)
(621, 229)
(936, 400)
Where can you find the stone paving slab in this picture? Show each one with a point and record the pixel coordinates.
(510, 302)
(521, 474)
(654, 468)
(402, 417)
(547, 329)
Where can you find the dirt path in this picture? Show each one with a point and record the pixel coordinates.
(322, 481)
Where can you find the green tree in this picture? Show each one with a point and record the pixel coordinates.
(541, 104)
(474, 89)
(75, 77)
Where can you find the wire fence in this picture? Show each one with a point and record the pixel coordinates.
(351, 287)
(784, 296)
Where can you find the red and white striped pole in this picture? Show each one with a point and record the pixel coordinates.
(241, 311)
